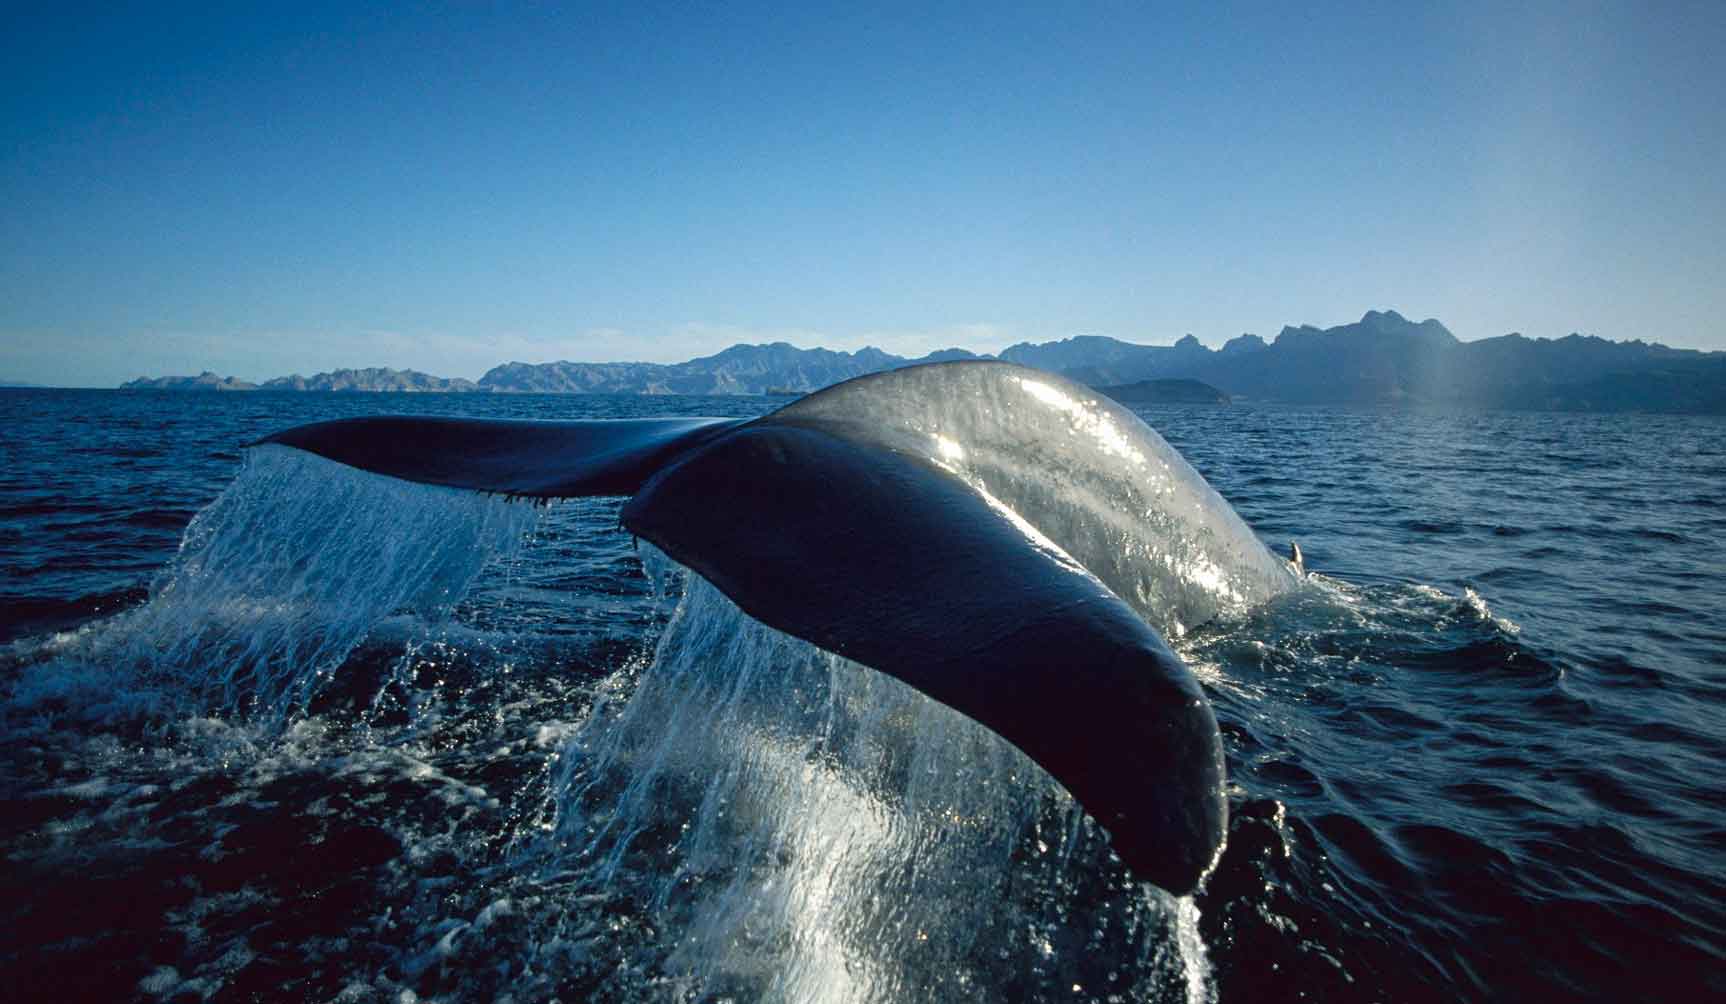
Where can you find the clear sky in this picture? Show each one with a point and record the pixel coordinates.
(446, 188)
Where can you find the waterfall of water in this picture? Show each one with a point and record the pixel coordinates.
(798, 827)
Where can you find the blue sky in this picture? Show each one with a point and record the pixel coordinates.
(258, 192)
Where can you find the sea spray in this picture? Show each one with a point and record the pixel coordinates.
(798, 827)
(275, 584)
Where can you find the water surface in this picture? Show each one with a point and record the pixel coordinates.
(1476, 757)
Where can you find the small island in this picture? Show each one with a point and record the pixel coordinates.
(203, 381)
(373, 379)
(1166, 392)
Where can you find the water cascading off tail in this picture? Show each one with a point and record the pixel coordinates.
(863, 518)
(275, 584)
(797, 827)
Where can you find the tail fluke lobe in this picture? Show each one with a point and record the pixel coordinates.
(891, 561)
(529, 459)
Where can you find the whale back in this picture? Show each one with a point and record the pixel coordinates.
(1088, 474)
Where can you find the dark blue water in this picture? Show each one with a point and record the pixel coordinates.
(1478, 757)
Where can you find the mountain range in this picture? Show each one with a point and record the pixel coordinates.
(1383, 359)
(1387, 359)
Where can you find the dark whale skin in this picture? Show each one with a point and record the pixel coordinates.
(825, 530)
(892, 562)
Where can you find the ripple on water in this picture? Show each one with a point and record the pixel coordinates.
(1428, 801)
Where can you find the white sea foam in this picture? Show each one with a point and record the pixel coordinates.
(275, 583)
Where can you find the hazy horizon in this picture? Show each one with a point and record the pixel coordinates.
(257, 194)
(263, 377)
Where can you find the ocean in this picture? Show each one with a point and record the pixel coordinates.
(272, 729)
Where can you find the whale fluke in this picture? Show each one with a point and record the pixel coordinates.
(889, 561)
(543, 460)
(999, 538)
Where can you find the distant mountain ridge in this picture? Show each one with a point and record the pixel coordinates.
(1387, 359)
(203, 381)
(1383, 359)
(740, 369)
(373, 379)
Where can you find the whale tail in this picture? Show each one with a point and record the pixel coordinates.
(534, 460)
(901, 559)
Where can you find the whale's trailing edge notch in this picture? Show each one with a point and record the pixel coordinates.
(828, 529)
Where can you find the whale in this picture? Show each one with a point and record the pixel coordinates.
(1006, 541)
